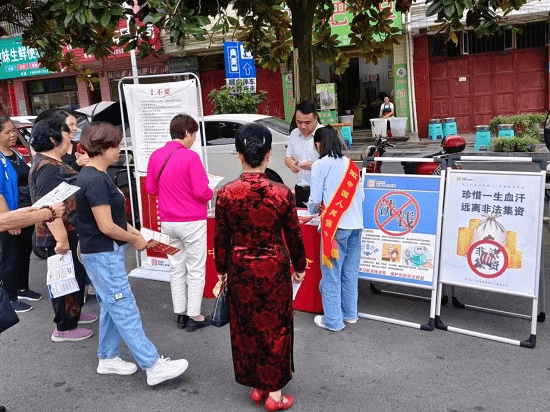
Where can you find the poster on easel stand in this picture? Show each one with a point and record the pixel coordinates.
(151, 107)
(401, 235)
(492, 228)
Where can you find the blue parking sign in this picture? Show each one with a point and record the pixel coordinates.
(239, 64)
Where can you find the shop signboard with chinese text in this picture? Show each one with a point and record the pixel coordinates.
(401, 86)
(18, 60)
(341, 19)
(240, 68)
(401, 227)
(492, 230)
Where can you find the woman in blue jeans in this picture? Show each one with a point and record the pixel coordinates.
(336, 187)
(103, 233)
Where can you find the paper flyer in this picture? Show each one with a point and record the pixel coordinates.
(61, 277)
(159, 241)
(304, 216)
(295, 288)
(59, 194)
(213, 180)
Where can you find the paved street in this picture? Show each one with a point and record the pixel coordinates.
(370, 366)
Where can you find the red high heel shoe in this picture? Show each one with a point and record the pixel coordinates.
(285, 403)
(258, 395)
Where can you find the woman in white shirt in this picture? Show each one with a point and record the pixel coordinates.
(386, 109)
(336, 184)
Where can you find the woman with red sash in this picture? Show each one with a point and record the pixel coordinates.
(336, 190)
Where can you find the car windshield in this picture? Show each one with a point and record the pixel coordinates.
(276, 124)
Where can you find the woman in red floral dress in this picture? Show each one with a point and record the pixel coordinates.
(255, 217)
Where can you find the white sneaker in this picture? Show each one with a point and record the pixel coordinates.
(115, 366)
(165, 369)
(319, 320)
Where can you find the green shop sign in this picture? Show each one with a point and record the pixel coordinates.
(341, 20)
(17, 60)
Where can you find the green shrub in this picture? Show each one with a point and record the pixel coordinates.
(526, 144)
(525, 125)
(236, 100)
(514, 144)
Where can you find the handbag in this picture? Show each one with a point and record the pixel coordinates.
(220, 312)
(8, 317)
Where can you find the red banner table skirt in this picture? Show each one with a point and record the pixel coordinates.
(308, 298)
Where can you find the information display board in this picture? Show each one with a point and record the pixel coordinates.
(151, 107)
(491, 231)
(401, 221)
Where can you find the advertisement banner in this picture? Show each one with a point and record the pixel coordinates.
(342, 18)
(401, 86)
(400, 216)
(151, 107)
(18, 60)
(490, 230)
(327, 96)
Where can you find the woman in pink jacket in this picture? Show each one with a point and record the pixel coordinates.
(176, 175)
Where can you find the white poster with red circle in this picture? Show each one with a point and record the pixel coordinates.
(491, 233)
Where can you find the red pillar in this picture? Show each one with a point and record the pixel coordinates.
(421, 65)
(13, 100)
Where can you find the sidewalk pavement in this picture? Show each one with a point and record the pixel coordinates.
(414, 147)
(369, 366)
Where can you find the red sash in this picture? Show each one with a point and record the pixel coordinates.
(339, 204)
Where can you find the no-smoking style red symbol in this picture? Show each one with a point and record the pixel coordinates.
(487, 258)
(397, 203)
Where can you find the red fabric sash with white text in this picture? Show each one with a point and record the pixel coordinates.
(332, 214)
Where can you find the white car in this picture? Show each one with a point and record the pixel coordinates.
(220, 133)
(221, 155)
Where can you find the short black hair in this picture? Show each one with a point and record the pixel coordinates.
(253, 141)
(307, 107)
(330, 143)
(46, 134)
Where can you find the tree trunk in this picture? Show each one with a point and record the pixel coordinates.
(303, 12)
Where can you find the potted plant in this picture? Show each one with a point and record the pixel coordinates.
(497, 144)
(509, 144)
(236, 100)
(526, 144)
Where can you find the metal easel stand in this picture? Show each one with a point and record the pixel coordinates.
(528, 343)
(541, 317)
(426, 326)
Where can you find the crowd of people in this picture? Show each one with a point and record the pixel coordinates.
(257, 237)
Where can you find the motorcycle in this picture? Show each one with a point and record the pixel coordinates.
(449, 145)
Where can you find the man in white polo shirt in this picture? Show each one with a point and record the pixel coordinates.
(301, 152)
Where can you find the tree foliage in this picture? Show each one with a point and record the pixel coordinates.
(271, 29)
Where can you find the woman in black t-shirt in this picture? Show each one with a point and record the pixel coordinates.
(103, 233)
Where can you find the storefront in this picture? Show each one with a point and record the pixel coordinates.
(361, 89)
(32, 89)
